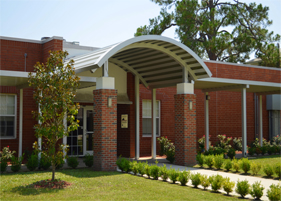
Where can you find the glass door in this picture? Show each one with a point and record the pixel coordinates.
(89, 130)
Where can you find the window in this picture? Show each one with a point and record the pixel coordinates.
(7, 116)
(146, 118)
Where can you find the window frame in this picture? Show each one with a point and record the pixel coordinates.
(15, 118)
(159, 118)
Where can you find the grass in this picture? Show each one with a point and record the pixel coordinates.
(91, 185)
(269, 159)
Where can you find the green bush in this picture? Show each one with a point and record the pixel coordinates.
(271, 149)
(277, 169)
(32, 162)
(44, 163)
(209, 160)
(255, 167)
(228, 185)
(147, 169)
(72, 162)
(170, 152)
(219, 150)
(258, 150)
(216, 182)
(227, 164)
(237, 144)
(123, 164)
(184, 177)
(200, 159)
(195, 179)
(16, 163)
(205, 181)
(88, 160)
(235, 165)
(141, 169)
(218, 161)
(257, 190)
(173, 175)
(251, 151)
(245, 165)
(243, 188)
(231, 153)
(154, 171)
(164, 173)
(274, 192)
(263, 150)
(134, 167)
(3, 165)
(268, 170)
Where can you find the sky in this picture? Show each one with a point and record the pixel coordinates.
(96, 23)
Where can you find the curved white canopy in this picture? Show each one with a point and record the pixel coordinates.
(158, 61)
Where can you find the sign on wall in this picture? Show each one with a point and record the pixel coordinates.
(124, 121)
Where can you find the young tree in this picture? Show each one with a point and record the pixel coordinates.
(55, 85)
(223, 31)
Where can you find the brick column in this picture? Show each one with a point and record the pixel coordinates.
(105, 130)
(185, 129)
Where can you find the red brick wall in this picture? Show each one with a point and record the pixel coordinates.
(105, 130)
(12, 58)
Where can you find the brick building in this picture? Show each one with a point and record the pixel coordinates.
(137, 90)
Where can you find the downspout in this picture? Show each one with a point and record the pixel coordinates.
(25, 55)
(256, 115)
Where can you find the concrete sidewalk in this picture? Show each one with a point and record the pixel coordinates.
(233, 177)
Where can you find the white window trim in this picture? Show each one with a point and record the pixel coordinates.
(159, 134)
(15, 122)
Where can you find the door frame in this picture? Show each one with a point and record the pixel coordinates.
(88, 107)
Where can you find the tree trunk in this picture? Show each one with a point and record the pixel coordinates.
(53, 171)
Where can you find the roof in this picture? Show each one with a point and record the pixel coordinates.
(158, 61)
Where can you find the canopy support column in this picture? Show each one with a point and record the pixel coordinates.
(206, 121)
(153, 123)
(244, 123)
(64, 139)
(39, 138)
(137, 98)
(260, 123)
(21, 122)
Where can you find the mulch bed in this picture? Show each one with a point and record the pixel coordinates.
(48, 183)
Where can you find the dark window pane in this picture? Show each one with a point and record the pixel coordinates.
(7, 126)
(90, 120)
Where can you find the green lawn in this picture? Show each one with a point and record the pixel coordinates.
(272, 160)
(91, 185)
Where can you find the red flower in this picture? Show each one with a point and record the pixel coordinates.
(8, 146)
(165, 136)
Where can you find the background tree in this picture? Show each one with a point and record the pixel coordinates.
(55, 85)
(270, 55)
(216, 30)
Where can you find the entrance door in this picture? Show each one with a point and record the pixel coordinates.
(88, 130)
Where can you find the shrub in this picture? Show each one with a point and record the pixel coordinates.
(3, 165)
(147, 169)
(268, 170)
(205, 181)
(235, 165)
(209, 152)
(123, 164)
(32, 162)
(257, 190)
(184, 177)
(164, 172)
(271, 149)
(201, 142)
(200, 159)
(224, 142)
(227, 164)
(195, 179)
(170, 152)
(231, 153)
(44, 163)
(209, 160)
(154, 171)
(6, 154)
(218, 161)
(16, 163)
(274, 192)
(163, 141)
(219, 150)
(277, 169)
(228, 185)
(255, 167)
(243, 188)
(245, 165)
(134, 167)
(173, 175)
(141, 169)
(263, 150)
(89, 160)
(237, 144)
(216, 182)
(258, 150)
(72, 162)
(251, 151)
(277, 149)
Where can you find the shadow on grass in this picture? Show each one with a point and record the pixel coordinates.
(25, 190)
(88, 173)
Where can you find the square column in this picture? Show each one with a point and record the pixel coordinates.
(244, 123)
(153, 123)
(185, 125)
(105, 129)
